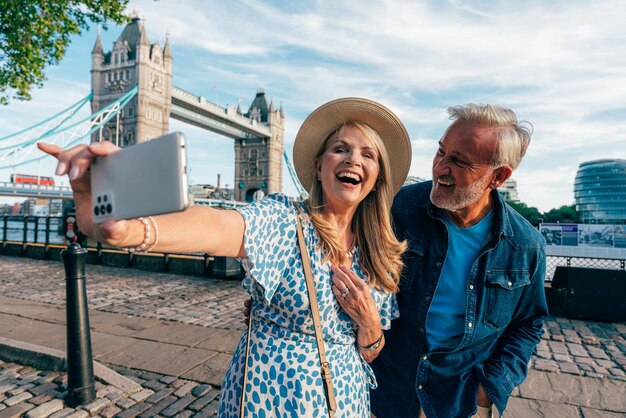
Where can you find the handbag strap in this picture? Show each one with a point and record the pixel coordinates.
(325, 367)
(327, 378)
(242, 402)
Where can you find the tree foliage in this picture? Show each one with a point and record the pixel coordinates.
(531, 214)
(563, 214)
(35, 34)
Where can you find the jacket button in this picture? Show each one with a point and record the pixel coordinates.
(510, 284)
(438, 265)
(471, 287)
(422, 329)
(469, 325)
(425, 358)
(420, 387)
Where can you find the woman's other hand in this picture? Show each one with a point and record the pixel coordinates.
(354, 296)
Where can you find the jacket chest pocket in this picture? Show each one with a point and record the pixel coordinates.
(413, 260)
(503, 290)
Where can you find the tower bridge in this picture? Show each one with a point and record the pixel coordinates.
(258, 134)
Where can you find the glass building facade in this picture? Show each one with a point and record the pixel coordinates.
(600, 191)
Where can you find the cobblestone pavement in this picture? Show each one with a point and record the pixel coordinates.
(187, 299)
(569, 347)
(27, 392)
(586, 348)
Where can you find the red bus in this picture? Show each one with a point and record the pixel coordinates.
(30, 179)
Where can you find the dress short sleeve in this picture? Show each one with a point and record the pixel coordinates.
(387, 308)
(270, 242)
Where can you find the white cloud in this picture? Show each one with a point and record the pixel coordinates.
(559, 64)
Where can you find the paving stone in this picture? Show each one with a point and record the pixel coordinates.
(168, 379)
(178, 406)
(110, 411)
(6, 388)
(153, 385)
(17, 398)
(158, 407)
(133, 411)
(584, 360)
(125, 403)
(530, 408)
(201, 390)
(16, 410)
(202, 402)
(185, 389)
(570, 368)
(208, 411)
(546, 365)
(46, 409)
(157, 396)
(617, 372)
(38, 390)
(562, 358)
(95, 406)
(141, 395)
(63, 413)
(40, 399)
(21, 389)
(605, 363)
(79, 414)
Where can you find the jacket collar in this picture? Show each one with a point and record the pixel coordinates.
(501, 220)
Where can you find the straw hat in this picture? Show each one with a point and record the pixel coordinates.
(328, 117)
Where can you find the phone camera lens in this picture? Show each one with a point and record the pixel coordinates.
(99, 199)
(109, 208)
(103, 209)
(105, 198)
(96, 210)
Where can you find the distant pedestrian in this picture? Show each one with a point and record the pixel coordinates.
(341, 155)
(471, 297)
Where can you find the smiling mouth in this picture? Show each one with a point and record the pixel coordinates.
(350, 178)
(445, 182)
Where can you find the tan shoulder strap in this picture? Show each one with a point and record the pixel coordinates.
(325, 367)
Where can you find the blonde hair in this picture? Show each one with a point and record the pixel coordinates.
(380, 253)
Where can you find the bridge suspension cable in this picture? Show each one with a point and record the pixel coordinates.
(303, 194)
(21, 149)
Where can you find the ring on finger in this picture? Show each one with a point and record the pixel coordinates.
(344, 292)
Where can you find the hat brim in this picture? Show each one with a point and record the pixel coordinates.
(328, 117)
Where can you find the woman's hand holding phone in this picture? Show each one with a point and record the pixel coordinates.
(75, 162)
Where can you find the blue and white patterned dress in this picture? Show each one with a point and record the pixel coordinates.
(283, 369)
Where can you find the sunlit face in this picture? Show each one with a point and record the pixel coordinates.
(461, 169)
(348, 168)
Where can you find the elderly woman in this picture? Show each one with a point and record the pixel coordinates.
(341, 155)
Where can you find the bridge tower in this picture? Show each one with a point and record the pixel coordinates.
(258, 134)
(258, 161)
(133, 61)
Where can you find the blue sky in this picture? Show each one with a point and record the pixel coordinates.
(559, 64)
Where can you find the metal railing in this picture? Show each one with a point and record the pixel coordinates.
(48, 232)
(552, 262)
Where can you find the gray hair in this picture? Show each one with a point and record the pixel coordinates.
(513, 137)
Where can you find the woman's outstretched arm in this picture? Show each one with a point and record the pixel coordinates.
(197, 229)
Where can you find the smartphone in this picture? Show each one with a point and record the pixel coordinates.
(146, 179)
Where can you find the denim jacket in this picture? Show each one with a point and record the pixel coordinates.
(504, 313)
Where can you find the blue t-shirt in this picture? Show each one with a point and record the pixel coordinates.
(445, 322)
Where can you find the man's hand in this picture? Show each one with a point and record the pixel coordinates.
(483, 398)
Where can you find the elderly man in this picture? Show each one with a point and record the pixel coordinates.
(471, 298)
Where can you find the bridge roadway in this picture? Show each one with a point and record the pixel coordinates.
(174, 335)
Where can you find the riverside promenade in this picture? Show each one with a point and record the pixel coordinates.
(162, 343)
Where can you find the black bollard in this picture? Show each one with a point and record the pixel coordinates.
(81, 386)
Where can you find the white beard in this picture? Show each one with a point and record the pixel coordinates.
(461, 197)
